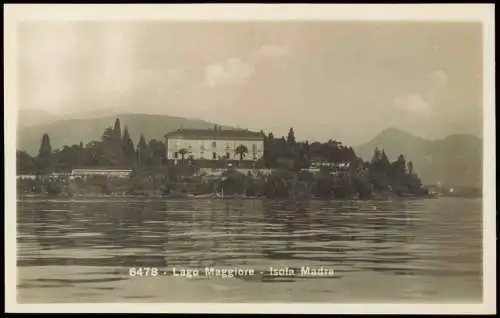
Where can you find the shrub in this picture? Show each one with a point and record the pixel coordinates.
(106, 188)
(235, 182)
(54, 188)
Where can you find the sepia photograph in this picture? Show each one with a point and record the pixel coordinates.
(250, 156)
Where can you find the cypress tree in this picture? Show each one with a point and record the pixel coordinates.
(45, 160)
(291, 137)
(128, 147)
(117, 132)
(117, 142)
(144, 154)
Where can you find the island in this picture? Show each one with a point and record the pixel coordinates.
(217, 164)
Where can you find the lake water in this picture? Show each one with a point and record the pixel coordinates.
(380, 251)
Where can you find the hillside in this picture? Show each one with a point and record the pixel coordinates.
(72, 131)
(32, 117)
(455, 160)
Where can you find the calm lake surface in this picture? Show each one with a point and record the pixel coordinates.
(381, 251)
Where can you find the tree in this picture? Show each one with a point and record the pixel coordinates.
(378, 171)
(158, 152)
(45, 160)
(234, 182)
(143, 152)
(324, 185)
(400, 167)
(278, 184)
(241, 150)
(332, 151)
(91, 153)
(116, 142)
(414, 184)
(104, 148)
(25, 163)
(107, 134)
(183, 152)
(377, 156)
(142, 142)
(117, 132)
(410, 167)
(399, 176)
(385, 164)
(68, 158)
(104, 155)
(270, 152)
(291, 137)
(111, 152)
(127, 148)
(302, 157)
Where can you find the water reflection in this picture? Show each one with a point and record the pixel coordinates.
(431, 238)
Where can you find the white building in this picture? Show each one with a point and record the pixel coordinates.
(214, 144)
(216, 172)
(100, 172)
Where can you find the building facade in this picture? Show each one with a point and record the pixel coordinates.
(100, 172)
(214, 144)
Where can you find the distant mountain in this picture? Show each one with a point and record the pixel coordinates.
(32, 117)
(72, 131)
(455, 160)
(91, 114)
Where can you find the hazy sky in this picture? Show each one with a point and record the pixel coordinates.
(337, 80)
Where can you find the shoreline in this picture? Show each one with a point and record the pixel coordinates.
(229, 197)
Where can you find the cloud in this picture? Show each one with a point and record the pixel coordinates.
(272, 51)
(424, 102)
(438, 81)
(412, 103)
(232, 71)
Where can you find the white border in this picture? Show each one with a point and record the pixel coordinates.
(252, 12)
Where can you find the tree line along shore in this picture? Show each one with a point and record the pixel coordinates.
(293, 170)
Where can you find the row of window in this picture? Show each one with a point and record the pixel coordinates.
(214, 155)
(214, 145)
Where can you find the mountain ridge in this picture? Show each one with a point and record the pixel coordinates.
(33, 117)
(72, 131)
(454, 160)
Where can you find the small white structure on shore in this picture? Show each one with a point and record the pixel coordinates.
(26, 177)
(100, 172)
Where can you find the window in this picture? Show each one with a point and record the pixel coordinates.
(176, 155)
(254, 148)
(214, 155)
(202, 148)
(227, 155)
(214, 144)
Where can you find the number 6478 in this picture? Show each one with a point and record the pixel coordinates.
(143, 271)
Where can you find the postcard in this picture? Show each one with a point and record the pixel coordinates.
(250, 158)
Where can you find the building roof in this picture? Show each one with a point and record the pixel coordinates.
(215, 134)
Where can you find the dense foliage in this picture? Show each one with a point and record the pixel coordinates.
(342, 173)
